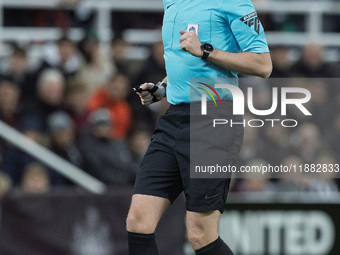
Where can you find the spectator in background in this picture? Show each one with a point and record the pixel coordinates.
(63, 57)
(96, 69)
(113, 97)
(311, 63)
(276, 140)
(5, 180)
(307, 142)
(75, 104)
(154, 67)
(333, 134)
(32, 127)
(252, 146)
(324, 183)
(49, 98)
(62, 136)
(119, 56)
(18, 72)
(320, 105)
(292, 181)
(9, 103)
(14, 159)
(139, 142)
(84, 16)
(105, 158)
(281, 62)
(35, 179)
(5, 184)
(152, 71)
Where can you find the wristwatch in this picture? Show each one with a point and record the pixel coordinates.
(160, 83)
(207, 48)
(155, 88)
(163, 84)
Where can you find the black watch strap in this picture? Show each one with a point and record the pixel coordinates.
(160, 83)
(205, 55)
(207, 49)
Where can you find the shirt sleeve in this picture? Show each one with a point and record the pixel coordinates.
(245, 25)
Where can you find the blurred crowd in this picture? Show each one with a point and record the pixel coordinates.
(80, 105)
(78, 102)
(314, 142)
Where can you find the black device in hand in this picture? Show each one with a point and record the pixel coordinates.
(137, 89)
(153, 90)
(140, 90)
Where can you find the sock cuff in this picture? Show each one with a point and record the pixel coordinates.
(140, 235)
(142, 244)
(215, 243)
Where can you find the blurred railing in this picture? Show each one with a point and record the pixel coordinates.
(313, 11)
(52, 160)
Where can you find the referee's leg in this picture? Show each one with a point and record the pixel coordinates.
(203, 235)
(143, 217)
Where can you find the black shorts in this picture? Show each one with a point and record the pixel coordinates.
(164, 171)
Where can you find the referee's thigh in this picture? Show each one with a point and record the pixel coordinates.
(145, 213)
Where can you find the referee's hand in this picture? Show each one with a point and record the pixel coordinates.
(191, 43)
(146, 97)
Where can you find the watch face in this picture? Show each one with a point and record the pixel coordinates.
(208, 47)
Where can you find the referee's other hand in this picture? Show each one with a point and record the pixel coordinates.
(146, 97)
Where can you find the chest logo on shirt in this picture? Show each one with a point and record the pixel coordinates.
(251, 20)
(193, 27)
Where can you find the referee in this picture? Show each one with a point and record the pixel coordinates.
(202, 39)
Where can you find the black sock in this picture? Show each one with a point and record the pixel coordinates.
(142, 244)
(218, 247)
